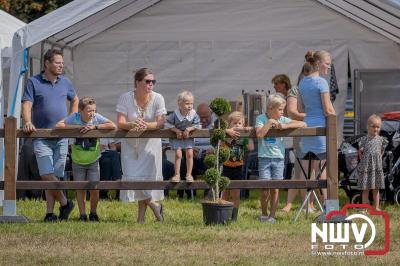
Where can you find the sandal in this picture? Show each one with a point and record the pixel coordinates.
(189, 179)
(175, 179)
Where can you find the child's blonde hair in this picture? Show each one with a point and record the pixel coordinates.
(234, 116)
(374, 117)
(184, 95)
(275, 101)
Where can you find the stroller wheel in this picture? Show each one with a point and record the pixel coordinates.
(396, 195)
(356, 198)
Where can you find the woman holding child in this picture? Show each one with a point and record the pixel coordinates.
(142, 109)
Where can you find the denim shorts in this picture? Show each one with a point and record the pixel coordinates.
(270, 168)
(51, 155)
(181, 143)
(90, 172)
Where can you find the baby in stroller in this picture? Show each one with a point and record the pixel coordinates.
(376, 170)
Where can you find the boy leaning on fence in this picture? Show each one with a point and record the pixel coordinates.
(86, 152)
(271, 151)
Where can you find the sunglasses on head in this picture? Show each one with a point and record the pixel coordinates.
(148, 81)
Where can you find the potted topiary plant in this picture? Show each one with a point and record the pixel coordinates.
(217, 211)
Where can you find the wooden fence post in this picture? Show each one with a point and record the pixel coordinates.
(10, 193)
(332, 164)
(332, 158)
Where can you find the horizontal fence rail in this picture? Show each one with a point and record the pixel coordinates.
(11, 133)
(139, 185)
(161, 133)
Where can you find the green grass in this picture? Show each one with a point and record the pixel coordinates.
(182, 239)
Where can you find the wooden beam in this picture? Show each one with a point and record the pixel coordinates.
(139, 185)
(10, 144)
(162, 133)
(332, 158)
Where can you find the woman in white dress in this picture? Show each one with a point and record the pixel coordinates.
(142, 109)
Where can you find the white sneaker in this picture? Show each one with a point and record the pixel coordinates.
(264, 218)
(310, 210)
(271, 220)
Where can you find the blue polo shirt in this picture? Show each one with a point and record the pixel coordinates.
(49, 101)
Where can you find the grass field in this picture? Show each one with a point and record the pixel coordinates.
(181, 240)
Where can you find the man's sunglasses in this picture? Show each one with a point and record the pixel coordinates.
(148, 81)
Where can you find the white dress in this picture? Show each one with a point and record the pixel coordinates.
(141, 158)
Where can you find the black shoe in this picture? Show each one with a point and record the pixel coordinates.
(235, 212)
(93, 217)
(50, 217)
(83, 218)
(66, 210)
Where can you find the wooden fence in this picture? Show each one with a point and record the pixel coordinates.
(11, 133)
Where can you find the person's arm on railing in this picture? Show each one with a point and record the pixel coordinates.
(139, 124)
(292, 124)
(170, 124)
(108, 124)
(122, 123)
(262, 131)
(158, 124)
(29, 127)
(177, 132)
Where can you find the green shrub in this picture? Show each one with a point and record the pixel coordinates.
(223, 123)
(212, 176)
(220, 106)
(223, 182)
(218, 134)
(210, 161)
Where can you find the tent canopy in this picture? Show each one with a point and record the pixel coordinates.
(382, 16)
(213, 48)
(9, 25)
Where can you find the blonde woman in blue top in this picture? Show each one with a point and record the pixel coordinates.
(316, 103)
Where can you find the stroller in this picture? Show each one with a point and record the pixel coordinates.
(348, 160)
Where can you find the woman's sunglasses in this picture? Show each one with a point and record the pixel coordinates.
(148, 81)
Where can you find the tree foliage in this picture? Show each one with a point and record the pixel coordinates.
(29, 10)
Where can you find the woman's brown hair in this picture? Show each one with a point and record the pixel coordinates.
(142, 73)
(282, 79)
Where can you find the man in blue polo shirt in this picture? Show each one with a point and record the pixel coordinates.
(43, 105)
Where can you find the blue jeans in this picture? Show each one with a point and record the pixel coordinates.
(270, 168)
(51, 155)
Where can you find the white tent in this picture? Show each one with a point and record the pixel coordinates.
(8, 26)
(212, 48)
